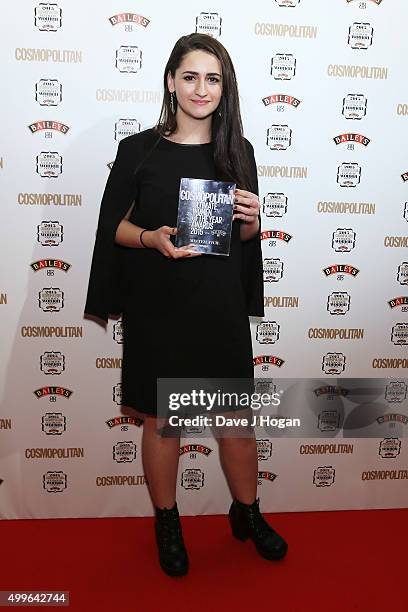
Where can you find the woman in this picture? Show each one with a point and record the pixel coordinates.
(184, 314)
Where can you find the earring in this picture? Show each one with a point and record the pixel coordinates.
(219, 113)
(172, 104)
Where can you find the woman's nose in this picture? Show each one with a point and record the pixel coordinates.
(201, 87)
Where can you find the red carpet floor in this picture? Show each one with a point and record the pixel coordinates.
(337, 562)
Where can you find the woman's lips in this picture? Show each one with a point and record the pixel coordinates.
(200, 102)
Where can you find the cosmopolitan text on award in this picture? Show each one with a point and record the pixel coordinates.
(205, 216)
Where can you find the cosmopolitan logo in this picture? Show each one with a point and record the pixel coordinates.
(354, 208)
(5, 424)
(129, 18)
(324, 449)
(268, 359)
(50, 331)
(405, 176)
(128, 95)
(108, 362)
(293, 172)
(396, 241)
(65, 56)
(285, 301)
(3, 298)
(349, 71)
(121, 481)
(276, 234)
(334, 333)
(48, 199)
(195, 448)
(37, 126)
(350, 137)
(124, 420)
(52, 391)
(402, 109)
(389, 363)
(41, 264)
(281, 99)
(285, 30)
(385, 475)
(55, 453)
(398, 301)
(341, 269)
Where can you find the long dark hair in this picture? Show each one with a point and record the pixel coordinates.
(230, 153)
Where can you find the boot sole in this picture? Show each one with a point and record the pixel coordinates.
(173, 573)
(273, 556)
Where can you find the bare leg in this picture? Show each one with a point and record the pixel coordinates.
(239, 460)
(160, 461)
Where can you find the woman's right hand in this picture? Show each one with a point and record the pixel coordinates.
(160, 239)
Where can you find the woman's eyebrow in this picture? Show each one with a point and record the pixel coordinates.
(196, 73)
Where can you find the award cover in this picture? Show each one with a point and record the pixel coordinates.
(204, 218)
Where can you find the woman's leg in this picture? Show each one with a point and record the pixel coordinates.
(239, 460)
(160, 457)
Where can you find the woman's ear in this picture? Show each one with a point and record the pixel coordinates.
(170, 82)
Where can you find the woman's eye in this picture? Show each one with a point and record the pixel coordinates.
(214, 79)
(188, 77)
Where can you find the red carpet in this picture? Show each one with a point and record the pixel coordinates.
(337, 562)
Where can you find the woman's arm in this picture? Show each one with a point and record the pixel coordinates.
(247, 202)
(128, 235)
(247, 209)
(249, 230)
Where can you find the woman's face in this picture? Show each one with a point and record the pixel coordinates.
(198, 84)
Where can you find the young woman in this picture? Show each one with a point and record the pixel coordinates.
(185, 314)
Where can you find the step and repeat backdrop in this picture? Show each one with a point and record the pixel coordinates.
(325, 104)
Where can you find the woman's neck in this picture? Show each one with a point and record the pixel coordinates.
(191, 131)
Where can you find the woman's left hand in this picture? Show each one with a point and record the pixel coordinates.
(246, 206)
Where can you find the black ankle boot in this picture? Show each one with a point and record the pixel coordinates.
(247, 522)
(172, 552)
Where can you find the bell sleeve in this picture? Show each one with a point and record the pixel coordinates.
(105, 287)
(252, 266)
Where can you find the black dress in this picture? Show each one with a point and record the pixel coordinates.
(184, 318)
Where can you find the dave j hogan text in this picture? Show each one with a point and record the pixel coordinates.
(219, 420)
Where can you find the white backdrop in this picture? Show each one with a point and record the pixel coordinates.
(325, 104)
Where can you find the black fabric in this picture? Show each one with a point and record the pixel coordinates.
(107, 287)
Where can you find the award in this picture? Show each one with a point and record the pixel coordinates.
(204, 218)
